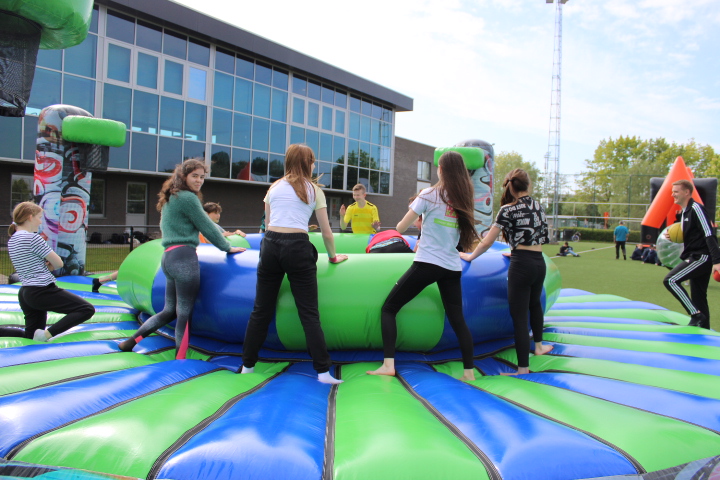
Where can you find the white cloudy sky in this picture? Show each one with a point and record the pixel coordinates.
(482, 68)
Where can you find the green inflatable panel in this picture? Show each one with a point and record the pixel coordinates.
(64, 23)
(95, 131)
(474, 157)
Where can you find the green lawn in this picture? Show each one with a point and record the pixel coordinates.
(597, 271)
(100, 258)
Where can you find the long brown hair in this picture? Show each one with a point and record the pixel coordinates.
(516, 182)
(21, 214)
(178, 181)
(455, 188)
(299, 160)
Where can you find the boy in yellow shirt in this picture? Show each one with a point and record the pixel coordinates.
(362, 214)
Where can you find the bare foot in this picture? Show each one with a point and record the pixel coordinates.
(542, 349)
(520, 371)
(384, 370)
(509, 374)
(469, 376)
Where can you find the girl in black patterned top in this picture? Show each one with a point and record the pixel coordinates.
(523, 224)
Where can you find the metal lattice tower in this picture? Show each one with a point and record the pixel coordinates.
(552, 157)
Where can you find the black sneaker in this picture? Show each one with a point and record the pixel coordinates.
(699, 320)
(96, 285)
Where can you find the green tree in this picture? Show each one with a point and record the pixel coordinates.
(508, 161)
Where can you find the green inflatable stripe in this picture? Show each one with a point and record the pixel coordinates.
(12, 342)
(344, 242)
(95, 131)
(64, 23)
(18, 318)
(92, 335)
(666, 316)
(673, 442)
(592, 298)
(143, 429)
(137, 274)
(420, 446)
(634, 327)
(474, 157)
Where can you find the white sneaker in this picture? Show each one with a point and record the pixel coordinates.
(41, 335)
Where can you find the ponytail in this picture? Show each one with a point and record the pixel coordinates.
(21, 214)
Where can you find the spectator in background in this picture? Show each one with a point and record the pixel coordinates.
(620, 237)
(566, 250)
(362, 215)
(213, 211)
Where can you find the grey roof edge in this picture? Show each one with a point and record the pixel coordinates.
(176, 16)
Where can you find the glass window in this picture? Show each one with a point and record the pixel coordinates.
(299, 85)
(149, 36)
(423, 170)
(352, 177)
(198, 84)
(385, 159)
(298, 115)
(240, 164)
(326, 144)
(375, 156)
(171, 117)
(79, 92)
(147, 70)
(313, 114)
(97, 197)
(314, 90)
(375, 131)
(387, 115)
(169, 154)
(323, 170)
(144, 153)
(297, 135)
(94, 20)
(241, 131)
(119, 156)
(377, 111)
(224, 60)
(259, 167)
(338, 176)
(277, 166)
(364, 179)
(338, 149)
(353, 152)
(50, 59)
(374, 181)
(243, 95)
(355, 103)
(116, 104)
(328, 94)
(366, 108)
(220, 162)
(354, 126)
(30, 133)
(244, 67)
(223, 94)
(263, 73)
(340, 99)
(136, 198)
(120, 27)
(145, 112)
(80, 59)
(339, 121)
(10, 136)
(364, 155)
(195, 118)
(365, 129)
(175, 44)
(327, 122)
(260, 134)
(385, 183)
(278, 134)
(312, 140)
(279, 105)
(199, 52)
(261, 101)
(118, 63)
(173, 77)
(222, 126)
(280, 79)
(193, 150)
(21, 188)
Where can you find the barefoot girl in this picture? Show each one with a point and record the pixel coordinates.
(447, 213)
(182, 218)
(524, 226)
(286, 249)
(31, 256)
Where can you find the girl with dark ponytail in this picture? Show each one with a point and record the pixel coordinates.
(448, 217)
(523, 225)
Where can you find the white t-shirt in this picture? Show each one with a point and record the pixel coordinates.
(440, 233)
(286, 208)
(27, 252)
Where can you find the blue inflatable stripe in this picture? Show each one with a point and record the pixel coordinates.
(513, 437)
(153, 343)
(15, 307)
(255, 240)
(694, 409)
(650, 359)
(25, 414)
(490, 366)
(252, 440)
(573, 292)
(606, 306)
(43, 352)
(589, 319)
(689, 338)
(92, 327)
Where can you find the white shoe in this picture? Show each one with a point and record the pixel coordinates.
(41, 335)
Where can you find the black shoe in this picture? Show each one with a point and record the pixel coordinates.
(699, 320)
(96, 285)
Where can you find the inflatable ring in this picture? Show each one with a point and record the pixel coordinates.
(64, 23)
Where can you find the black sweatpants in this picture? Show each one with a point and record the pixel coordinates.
(37, 301)
(698, 270)
(294, 255)
(526, 275)
(618, 246)
(414, 281)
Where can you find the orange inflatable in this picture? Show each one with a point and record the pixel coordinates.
(663, 208)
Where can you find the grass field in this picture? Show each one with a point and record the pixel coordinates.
(100, 258)
(597, 271)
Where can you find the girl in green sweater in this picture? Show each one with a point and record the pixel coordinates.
(182, 218)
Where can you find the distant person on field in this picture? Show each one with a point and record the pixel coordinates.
(638, 252)
(213, 211)
(650, 255)
(620, 237)
(566, 250)
(362, 214)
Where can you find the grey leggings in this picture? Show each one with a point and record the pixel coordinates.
(182, 270)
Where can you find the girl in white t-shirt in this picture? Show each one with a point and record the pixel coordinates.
(286, 249)
(448, 217)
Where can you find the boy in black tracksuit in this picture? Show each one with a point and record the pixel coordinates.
(700, 256)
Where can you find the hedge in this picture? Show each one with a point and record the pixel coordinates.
(596, 234)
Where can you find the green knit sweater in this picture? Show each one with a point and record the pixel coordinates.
(183, 218)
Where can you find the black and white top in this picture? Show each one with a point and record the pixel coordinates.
(27, 253)
(698, 234)
(523, 223)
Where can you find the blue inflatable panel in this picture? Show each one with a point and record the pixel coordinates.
(153, 343)
(254, 239)
(511, 436)
(603, 320)
(689, 408)
(93, 327)
(650, 359)
(573, 292)
(606, 306)
(693, 339)
(15, 307)
(490, 366)
(271, 434)
(25, 414)
(43, 352)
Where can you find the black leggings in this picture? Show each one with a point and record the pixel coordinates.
(182, 271)
(526, 275)
(618, 246)
(414, 281)
(294, 255)
(37, 301)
